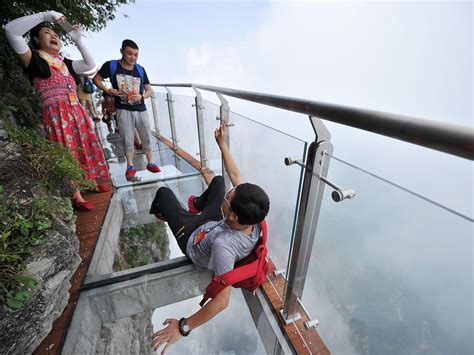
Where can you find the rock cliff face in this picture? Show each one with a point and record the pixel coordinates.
(52, 263)
(127, 335)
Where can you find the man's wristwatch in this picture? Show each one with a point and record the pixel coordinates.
(184, 327)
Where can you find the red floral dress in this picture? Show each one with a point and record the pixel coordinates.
(66, 121)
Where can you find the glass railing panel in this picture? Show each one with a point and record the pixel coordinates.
(131, 237)
(259, 151)
(171, 164)
(111, 140)
(162, 111)
(390, 273)
(211, 113)
(149, 110)
(186, 124)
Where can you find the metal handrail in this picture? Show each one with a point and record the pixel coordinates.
(445, 137)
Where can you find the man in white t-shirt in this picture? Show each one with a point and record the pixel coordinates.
(218, 230)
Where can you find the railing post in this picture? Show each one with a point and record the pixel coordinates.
(224, 119)
(308, 213)
(169, 99)
(200, 128)
(154, 109)
(174, 138)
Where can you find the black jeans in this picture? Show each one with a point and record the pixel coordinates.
(181, 222)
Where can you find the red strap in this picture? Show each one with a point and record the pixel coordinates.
(204, 300)
(240, 273)
(263, 225)
(219, 280)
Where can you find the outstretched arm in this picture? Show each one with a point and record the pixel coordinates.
(229, 162)
(170, 335)
(87, 62)
(14, 31)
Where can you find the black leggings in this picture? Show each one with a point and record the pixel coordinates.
(181, 222)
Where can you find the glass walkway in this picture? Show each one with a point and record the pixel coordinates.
(383, 270)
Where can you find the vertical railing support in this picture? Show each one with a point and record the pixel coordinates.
(200, 127)
(224, 119)
(174, 138)
(169, 99)
(308, 213)
(154, 110)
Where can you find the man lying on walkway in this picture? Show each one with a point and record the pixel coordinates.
(219, 229)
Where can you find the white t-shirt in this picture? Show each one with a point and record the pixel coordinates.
(220, 246)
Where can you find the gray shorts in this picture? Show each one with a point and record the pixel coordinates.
(128, 121)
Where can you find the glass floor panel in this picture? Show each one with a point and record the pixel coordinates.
(141, 233)
(119, 318)
(132, 237)
(231, 332)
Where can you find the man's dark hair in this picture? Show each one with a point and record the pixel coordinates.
(250, 203)
(34, 32)
(129, 43)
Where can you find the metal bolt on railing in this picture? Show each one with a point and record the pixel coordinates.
(312, 323)
(338, 195)
(279, 272)
(227, 124)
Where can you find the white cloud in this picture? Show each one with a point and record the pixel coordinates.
(214, 65)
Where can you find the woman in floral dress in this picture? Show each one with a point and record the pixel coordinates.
(65, 119)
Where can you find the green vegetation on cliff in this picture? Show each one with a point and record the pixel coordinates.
(48, 169)
(142, 245)
(23, 224)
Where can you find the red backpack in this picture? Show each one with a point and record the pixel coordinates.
(248, 273)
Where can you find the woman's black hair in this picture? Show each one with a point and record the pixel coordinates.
(34, 32)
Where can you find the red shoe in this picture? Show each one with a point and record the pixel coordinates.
(130, 173)
(82, 206)
(153, 168)
(192, 209)
(101, 188)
